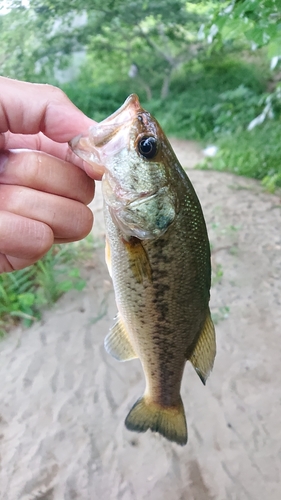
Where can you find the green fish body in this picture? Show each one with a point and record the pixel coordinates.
(158, 255)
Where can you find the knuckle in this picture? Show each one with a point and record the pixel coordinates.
(44, 238)
(39, 239)
(90, 191)
(57, 94)
(32, 167)
(84, 222)
(85, 188)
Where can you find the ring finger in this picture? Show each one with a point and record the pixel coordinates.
(69, 219)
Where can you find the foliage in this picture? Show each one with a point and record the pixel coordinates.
(202, 97)
(254, 153)
(25, 52)
(15, 46)
(215, 98)
(156, 37)
(24, 293)
(213, 102)
(96, 101)
(256, 21)
(253, 149)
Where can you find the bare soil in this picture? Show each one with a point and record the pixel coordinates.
(64, 400)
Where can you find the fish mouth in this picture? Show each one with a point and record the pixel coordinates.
(91, 146)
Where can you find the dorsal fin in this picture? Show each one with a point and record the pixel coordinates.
(117, 342)
(204, 353)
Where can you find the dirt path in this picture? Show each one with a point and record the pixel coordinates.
(64, 400)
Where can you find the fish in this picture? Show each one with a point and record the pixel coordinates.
(158, 256)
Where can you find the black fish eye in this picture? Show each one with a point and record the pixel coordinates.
(148, 147)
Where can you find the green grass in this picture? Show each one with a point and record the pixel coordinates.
(255, 153)
(26, 293)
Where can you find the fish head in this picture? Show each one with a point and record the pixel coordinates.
(136, 156)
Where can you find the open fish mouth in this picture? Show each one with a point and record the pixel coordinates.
(107, 138)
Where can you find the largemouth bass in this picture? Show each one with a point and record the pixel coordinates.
(158, 255)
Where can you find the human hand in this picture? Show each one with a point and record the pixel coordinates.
(43, 193)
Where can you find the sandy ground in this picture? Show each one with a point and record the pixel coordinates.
(64, 400)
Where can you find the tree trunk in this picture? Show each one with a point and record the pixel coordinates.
(146, 88)
(166, 85)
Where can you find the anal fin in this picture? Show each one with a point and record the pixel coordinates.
(117, 342)
(204, 352)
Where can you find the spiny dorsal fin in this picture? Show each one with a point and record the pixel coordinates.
(117, 342)
(204, 353)
(139, 261)
(168, 421)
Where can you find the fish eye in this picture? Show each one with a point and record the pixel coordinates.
(148, 147)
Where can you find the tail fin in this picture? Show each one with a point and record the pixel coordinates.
(168, 421)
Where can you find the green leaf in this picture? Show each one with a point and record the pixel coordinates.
(80, 285)
(26, 299)
(65, 286)
(74, 273)
(255, 35)
(274, 48)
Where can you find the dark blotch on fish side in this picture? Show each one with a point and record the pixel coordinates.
(162, 222)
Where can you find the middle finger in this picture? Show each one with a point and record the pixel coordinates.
(68, 219)
(43, 172)
(39, 142)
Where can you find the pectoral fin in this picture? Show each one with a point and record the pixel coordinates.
(204, 353)
(117, 342)
(108, 257)
(139, 261)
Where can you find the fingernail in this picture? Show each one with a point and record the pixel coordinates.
(3, 161)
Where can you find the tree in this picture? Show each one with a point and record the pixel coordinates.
(157, 37)
(256, 21)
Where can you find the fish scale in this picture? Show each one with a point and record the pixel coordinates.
(158, 255)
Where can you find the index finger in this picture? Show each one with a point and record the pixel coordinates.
(39, 142)
(37, 116)
(29, 108)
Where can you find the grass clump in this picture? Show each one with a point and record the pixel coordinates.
(24, 294)
(255, 153)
